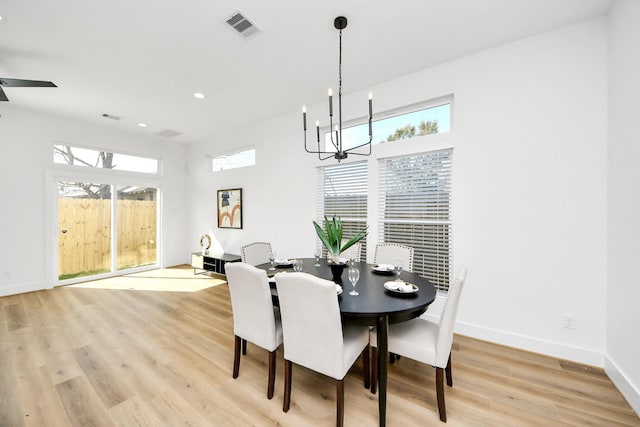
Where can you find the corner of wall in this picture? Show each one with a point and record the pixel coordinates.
(620, 380)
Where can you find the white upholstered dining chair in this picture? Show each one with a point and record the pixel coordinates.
(256, 253)
(353, 252)
(254, 317)
(394, 253)
(314, 336)
(429, 342)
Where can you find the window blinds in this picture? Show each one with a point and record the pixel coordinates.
(342, 192)
(415, 210)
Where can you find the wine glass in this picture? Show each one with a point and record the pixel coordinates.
(397, 267)
(317, 264)
(354, 275)
(272, 260)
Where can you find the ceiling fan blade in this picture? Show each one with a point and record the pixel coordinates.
(3, 96)
(25, 83)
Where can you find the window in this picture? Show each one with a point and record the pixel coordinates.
(87, 157)
(108, 221)
(415, 210)
(343, 193)
(234, 160)
(417, 120)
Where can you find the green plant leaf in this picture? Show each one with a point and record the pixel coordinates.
(331, 235)
(322, 235)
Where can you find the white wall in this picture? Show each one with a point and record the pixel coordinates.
(26, 150)
(530, 122)
(623, 225)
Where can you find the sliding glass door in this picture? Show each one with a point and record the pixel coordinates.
(136, 236)
(102, 233)
(84, 229)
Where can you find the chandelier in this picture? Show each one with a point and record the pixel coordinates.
(338, 151)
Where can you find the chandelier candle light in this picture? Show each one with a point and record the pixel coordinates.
(336, 136)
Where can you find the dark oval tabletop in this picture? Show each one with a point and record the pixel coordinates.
(374, 300)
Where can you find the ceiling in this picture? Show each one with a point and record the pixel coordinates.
(143, 60)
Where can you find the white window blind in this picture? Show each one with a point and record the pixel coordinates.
(415, 210)
(342, 192)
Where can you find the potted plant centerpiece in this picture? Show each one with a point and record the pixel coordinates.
(331, 238)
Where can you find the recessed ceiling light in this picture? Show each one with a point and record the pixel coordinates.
(142, 125)
(199, 95)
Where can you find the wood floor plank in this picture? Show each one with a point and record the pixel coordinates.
(11, 412)
(135, 412)
(41, 406)
(92, 356)
(103, 375)
(15, 317)
(173, 410)
(82, 405)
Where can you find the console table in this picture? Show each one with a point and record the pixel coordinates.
(211, 263)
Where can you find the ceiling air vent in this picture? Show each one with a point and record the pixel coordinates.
(242, 25)
(168, 133)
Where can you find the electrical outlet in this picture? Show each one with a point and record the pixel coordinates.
(569, 321)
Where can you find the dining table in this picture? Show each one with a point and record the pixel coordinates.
(374, 306)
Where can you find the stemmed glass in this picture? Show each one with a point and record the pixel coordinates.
(397, 266)
(272, 260)
(317, 264)
(354, 276)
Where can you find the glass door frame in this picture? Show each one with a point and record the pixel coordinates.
(116, 180)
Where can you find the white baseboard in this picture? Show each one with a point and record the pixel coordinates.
(535, 345)
(523, 342)
(21, 288)
(628, 390)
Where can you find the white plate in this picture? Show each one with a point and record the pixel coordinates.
(383, 268)
(400, 287)
(339, 289)
(284, 262)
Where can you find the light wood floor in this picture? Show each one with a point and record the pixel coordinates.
(79, 356)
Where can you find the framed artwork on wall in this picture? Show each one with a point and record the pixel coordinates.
(230, 208)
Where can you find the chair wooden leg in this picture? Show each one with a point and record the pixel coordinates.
(448, 370)
(287, 385)
(393, 357)
(236, 356)
(442, 410)
(244, 347)
(272, 374)
(366, 369)
(339, 403)
(374, 369)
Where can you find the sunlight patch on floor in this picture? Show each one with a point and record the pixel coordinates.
(162, 280)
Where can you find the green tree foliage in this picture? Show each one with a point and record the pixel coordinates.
(409, 131)
(427, 128)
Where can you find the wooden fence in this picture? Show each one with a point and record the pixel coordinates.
(84, 243)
